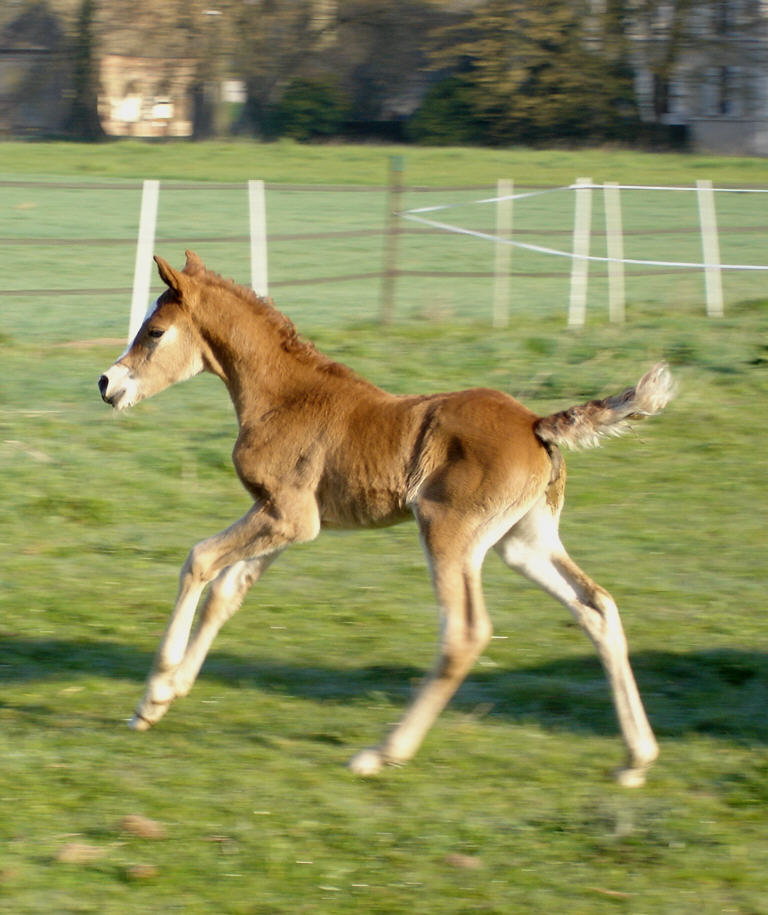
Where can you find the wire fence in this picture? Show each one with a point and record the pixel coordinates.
(613, 233)
(339, 254)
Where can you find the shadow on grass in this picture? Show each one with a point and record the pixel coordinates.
(721, 692)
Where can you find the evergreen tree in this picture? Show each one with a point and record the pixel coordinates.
(536, 72)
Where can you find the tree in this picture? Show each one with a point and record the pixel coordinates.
(31, 90)
(83, 122)
(663, 30)
(275, 43)
(535, 72)
(382, 55)
(368, 55)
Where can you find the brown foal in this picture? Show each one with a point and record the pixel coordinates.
(319, 446)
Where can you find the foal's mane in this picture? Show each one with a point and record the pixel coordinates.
(264, 308)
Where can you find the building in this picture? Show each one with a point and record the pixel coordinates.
(145, 97)
(35, 74)
(714, 82)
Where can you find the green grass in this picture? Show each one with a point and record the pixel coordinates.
(509, 807)
(287, 161)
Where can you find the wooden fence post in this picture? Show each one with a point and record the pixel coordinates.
(394, 199)
(710, 247)
(142, 273)
(582, 224)
(503, 254)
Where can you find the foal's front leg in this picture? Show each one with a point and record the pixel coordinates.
(237, 555)
(160, 690)
(226, 594)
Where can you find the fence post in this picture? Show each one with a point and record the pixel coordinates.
(614, 240)
(582, 224)
(257, 212)
(394, 198)
(710, 246)
(142, 273)
(503, 255)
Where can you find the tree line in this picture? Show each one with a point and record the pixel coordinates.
(432, 71)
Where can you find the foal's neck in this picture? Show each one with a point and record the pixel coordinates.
(259, 356)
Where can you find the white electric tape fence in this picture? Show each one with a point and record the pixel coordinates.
(414, 216)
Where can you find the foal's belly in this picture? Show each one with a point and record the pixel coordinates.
(370, 508)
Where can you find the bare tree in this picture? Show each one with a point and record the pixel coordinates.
(274, 43)
(83, 122)
(698, 47)
(382, 55)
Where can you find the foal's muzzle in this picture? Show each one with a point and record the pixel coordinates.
(116, 387)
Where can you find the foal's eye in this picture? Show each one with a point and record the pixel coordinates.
(155, 333)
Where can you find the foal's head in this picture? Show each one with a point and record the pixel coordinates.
(167, 347)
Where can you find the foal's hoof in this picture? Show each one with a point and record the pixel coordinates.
(366, 762)
(631, 777)
(137, 723)
(147, 714)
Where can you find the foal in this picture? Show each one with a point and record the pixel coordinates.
(319, 446)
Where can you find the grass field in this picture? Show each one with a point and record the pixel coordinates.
(509, 807)
(291, 162)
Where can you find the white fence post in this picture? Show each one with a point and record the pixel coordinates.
(501, 280)
(582, 223)
(258, 224)
(142, 272)
(710, 246)
(614, 241)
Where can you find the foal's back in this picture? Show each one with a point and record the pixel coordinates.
(474, 450)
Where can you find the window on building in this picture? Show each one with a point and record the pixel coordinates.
(722, 92)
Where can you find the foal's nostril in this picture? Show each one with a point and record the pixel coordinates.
(103, 385)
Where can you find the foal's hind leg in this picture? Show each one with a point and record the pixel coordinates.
(533, 547)
(466, 630)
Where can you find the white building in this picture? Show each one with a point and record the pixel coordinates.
(716, 84)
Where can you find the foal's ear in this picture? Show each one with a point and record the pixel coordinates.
(194, 264)
(172, 278)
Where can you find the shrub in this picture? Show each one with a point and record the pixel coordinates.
(447, 115)
(309, 110)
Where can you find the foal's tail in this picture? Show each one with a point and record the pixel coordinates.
(582, 426)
